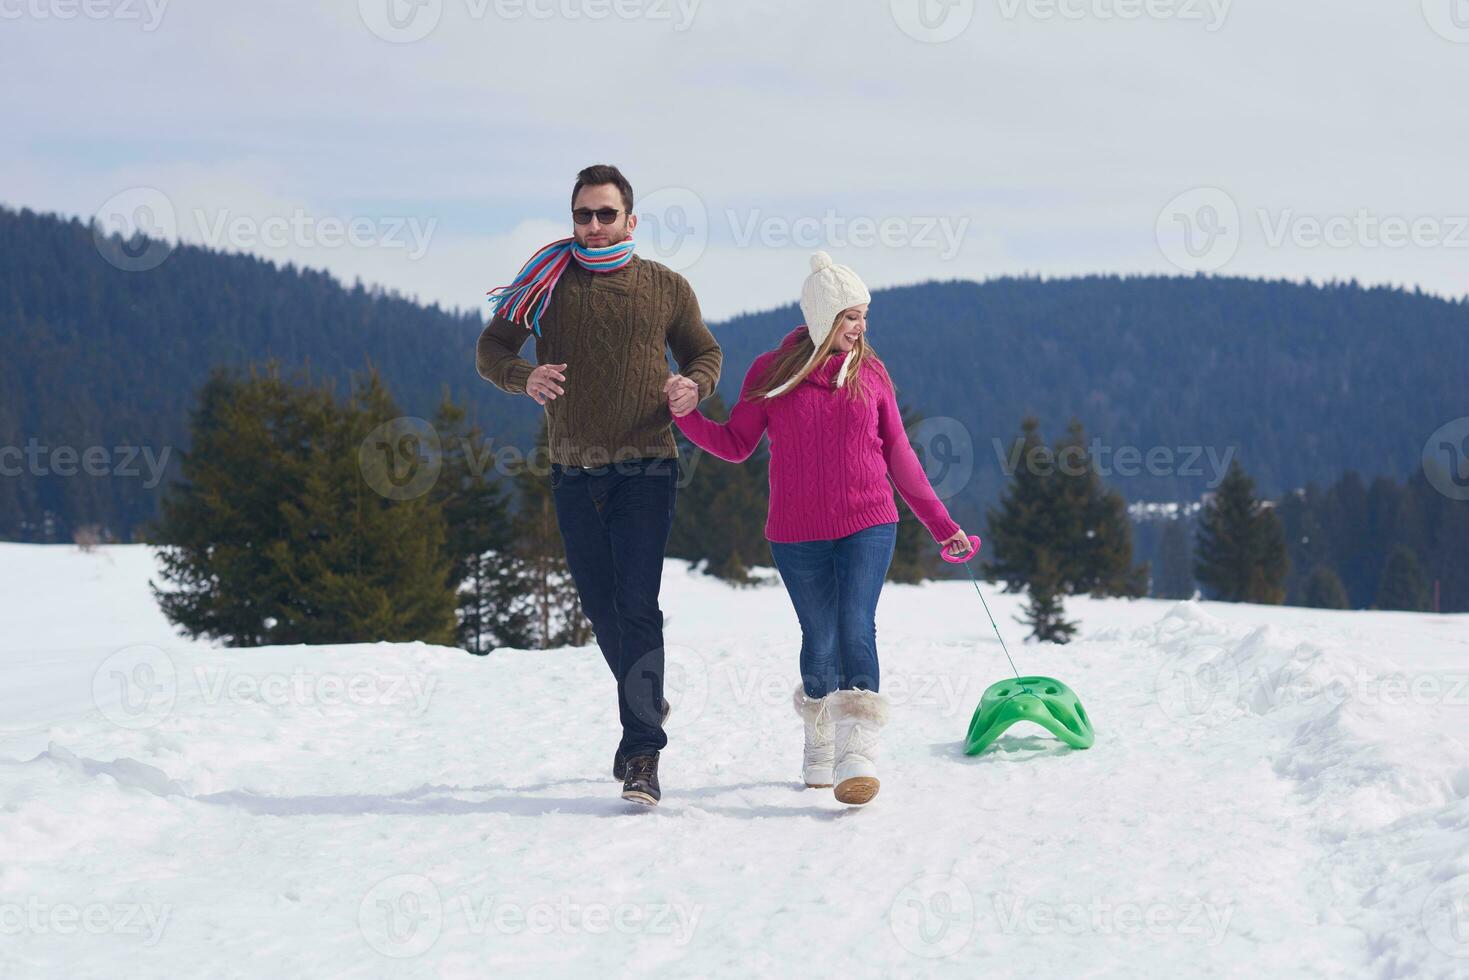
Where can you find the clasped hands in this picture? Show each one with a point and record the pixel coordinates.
(682, 394)
(542, 385)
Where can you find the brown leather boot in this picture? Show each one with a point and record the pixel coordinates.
(619, 764)
(641, 785)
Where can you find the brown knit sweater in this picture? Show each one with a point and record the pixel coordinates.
(611, 330)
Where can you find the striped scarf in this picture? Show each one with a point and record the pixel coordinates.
(525, 299)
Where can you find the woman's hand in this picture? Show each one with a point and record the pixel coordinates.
(956, 544)
(683, 395)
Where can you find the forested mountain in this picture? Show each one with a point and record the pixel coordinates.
(95, 356)
(1302, 382)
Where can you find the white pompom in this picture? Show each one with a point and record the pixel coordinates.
(819, 261)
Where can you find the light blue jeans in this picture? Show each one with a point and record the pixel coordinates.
(834, 586)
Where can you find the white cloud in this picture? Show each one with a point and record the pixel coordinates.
(1058, 140)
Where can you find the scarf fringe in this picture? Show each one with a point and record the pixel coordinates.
(526, 297)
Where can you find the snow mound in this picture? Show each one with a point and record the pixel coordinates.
(128, 774)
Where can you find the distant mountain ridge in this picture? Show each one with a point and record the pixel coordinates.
(1300, 382)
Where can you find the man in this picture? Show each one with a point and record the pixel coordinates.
(603, 317)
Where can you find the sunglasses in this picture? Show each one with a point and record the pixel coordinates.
(583, 216)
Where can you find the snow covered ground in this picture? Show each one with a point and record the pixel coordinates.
(1273, 792)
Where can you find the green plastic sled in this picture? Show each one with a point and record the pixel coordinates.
(1043, 700)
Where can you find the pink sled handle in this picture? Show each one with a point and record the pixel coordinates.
(961, 559)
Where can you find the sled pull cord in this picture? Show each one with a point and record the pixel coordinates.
(964, 560)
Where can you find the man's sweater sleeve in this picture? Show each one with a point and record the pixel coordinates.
(907, 472)
(497, 355)
(694, 347)
(736, 439)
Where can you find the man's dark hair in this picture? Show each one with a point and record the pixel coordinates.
(604, 173)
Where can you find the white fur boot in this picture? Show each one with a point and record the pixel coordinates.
(819, 756)
(859, 717)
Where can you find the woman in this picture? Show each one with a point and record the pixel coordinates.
(835, 438)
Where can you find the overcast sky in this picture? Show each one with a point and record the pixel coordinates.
(430, 145)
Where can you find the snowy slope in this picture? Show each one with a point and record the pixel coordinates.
(1273, 790)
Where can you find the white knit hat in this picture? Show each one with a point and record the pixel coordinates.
(829, 290)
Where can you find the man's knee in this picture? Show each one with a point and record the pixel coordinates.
(601, 612)
(639, 608)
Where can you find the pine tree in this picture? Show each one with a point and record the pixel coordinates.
(1445, 529)
(553, 606)
(1025, 521)
(1175, 576)
(915, 555)
(1093, 546)
(361, 562)
(1056, 502)
(250, 450)
(1308, 541)
(1240, 552)
(1403, 585)
(1044, 613)
(734, 512)
(487, 571)
(1350, 527)
(721, 510)
(733, 569)
(274, 535)
(1267, 578)
(1355, 558)
(1324, 589)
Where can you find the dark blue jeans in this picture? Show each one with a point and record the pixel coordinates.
(834, 586)
(614, 524)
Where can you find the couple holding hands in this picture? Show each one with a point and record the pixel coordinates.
(829, 408)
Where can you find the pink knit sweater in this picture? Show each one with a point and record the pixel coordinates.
(830, 456)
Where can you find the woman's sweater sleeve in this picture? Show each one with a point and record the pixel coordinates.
(907, 472)
(736, 439)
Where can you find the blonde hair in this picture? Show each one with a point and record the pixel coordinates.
(795, 363)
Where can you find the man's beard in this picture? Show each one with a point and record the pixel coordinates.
(613, 238)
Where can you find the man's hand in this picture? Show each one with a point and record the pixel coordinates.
(542, 386)
(683, 394)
